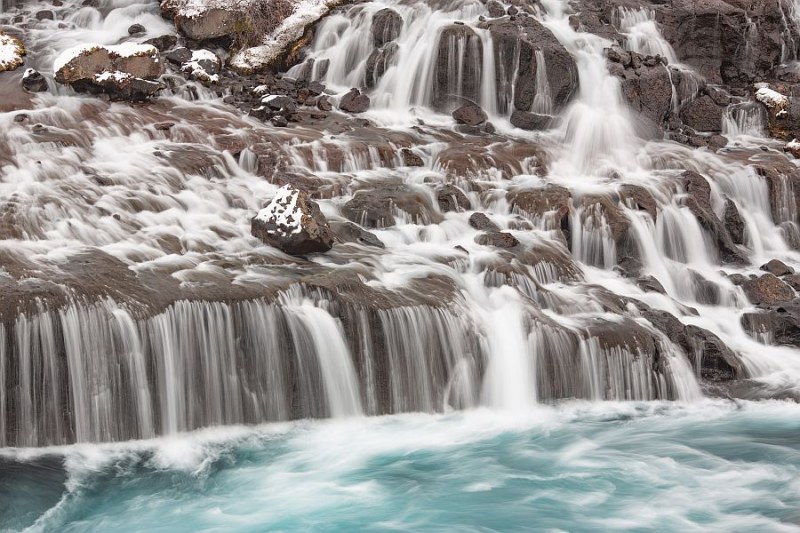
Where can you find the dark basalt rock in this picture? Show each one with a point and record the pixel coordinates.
(530, 121)
(348, 232)
(498, 239)
(375, 208)
(451, 198)
(33, 81)
(481, 222)
(495, 9)
(135, 29)
(448, 89)
(378, 62)
(777, 268)
(703, 115)
(646, 83)
(470, 115)
(411, 159)
(386, 26)
(296, 230)
(780, 324)
(354, 102)
(733, 222)
(522, 38)
(637, 197)
(767, 290)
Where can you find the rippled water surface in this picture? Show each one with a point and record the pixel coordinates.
(575, 467)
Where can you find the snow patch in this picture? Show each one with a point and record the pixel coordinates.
(196, 67)
(123, 50)
(117, 76)
(284, 212)
(289, 31)
(11, 52)
(773, 100)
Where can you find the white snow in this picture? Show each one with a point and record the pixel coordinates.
(283, 211)
(11, 52)
(120, 50)
(196, 70)
(290, 30)
(116, 76)
(773, 100)
(793, 146)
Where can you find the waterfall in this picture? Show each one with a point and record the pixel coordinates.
(642, 34)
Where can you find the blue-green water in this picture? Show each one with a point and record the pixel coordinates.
(575, 467)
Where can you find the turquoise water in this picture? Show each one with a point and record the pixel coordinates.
(716, 466)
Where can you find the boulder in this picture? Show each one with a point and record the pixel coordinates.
(703, 115)
(777, 268)
(293, 223)
(530, 121)
(699, 203)
(458, 45)
(646, 83)
(498, 239)
(12, 53)
(495, 9)
(375, 208)
(124, 71)
(481, 222)
(778, 324)
(519, 40)
(470, 115)
(379, 62)
(354, 102)
(767, 290)
(135, 29)
(733, 222)
(203, 66)
(243, 21)
(386, 26)
(410, 158)
(33, 81)
(348, 232)
(639, 198)
(451, 198)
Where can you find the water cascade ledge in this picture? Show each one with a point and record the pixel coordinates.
(92, 372)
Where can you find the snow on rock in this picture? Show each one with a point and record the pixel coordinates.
(11, 53)
(33, 81)
(276, 42)
(124, 71)
(86, 61)
(293, 223)
(204, 66)
(774, 100)
(244, 20)
(793, 147)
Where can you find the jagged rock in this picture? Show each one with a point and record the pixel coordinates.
(470, 115)
(163, 42)
(703, 115)
(733, 222)
(650, 284)
(780, 324)
(354, 102)
(135, 29)
(12, 53)
(178, 56)
(521, 39)
(293, 223)
(323, 104)
(386, 26)
(349, 232)
(451, 198)
(495, 9)
(637, 197)
(411, 159)
(448, 88)
(498, 239)
(716, 361)
(646, 83)
(33, 81)
(699, 203)
(767, 290)
(375, 208)
(125, 71)
(481, 222)
(378, 63)
(530, 121)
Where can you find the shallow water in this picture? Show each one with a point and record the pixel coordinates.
(713, 466)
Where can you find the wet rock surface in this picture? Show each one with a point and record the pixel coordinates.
(293, 223)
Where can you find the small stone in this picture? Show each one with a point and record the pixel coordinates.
(136, 29)
(777, 268)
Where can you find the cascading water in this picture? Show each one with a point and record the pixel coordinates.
(558, 279)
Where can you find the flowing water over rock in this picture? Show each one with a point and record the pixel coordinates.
(590, 223)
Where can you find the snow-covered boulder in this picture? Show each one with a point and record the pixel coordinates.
(773, 100)
(204, 66)
(33, 81)
(243, 20)
(124, 71)
(11, 53)
(293, 223)
(278, 41)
